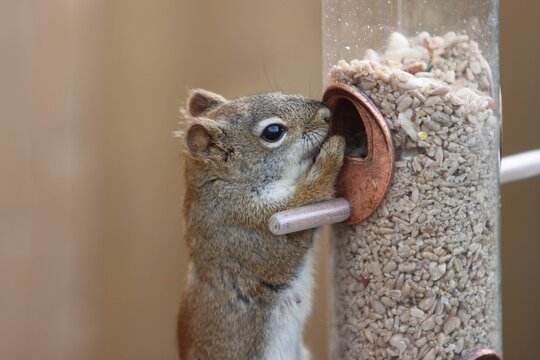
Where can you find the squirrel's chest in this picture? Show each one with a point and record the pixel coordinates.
(287, 317)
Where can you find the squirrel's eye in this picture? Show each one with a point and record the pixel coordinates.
(273, 132)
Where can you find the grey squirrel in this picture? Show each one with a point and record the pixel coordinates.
(248, 291)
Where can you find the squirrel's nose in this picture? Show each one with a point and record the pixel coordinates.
(324, 114)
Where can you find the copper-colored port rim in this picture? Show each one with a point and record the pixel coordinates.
(364, 182)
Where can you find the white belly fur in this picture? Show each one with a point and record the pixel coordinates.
(287, 319)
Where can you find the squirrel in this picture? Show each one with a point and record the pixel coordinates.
(248, 291)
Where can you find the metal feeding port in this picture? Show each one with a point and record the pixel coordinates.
(369, 157)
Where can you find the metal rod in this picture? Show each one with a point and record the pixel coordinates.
(520, 166)
(311, 216)
(514, 167)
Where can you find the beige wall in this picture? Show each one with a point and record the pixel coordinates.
(92, 260)
(520, 51)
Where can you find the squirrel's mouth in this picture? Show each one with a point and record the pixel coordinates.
(312, 143)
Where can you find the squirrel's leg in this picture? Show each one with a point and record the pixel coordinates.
(320, 181)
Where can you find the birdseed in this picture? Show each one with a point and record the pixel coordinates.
(429, 256)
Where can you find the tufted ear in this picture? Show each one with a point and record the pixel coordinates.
(201, 136)
(200, 101)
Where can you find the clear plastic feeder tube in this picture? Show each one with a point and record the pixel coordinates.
(420, 278)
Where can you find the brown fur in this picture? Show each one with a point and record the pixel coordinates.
(238, 267)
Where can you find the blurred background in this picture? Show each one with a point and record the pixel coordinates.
(92, 258)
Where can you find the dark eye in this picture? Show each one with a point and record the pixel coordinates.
(273, 132)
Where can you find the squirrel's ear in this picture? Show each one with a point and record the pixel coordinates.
(200, 136)
(200, 101)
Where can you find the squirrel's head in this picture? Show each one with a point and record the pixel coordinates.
(265, 141)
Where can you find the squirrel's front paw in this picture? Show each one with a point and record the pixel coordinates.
(321, 178)
(329, 161)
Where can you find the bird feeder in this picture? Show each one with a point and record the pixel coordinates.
(418, 277)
